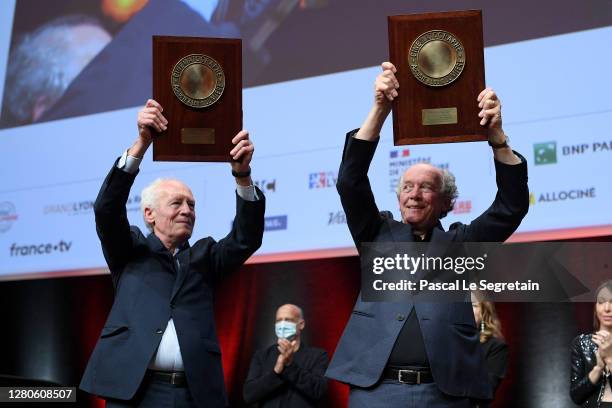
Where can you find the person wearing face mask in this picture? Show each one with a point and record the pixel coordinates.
(590, 380)
(288, 373)
(159, 347)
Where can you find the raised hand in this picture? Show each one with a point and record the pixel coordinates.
(242, 153)
(386, 85)
(150, 117)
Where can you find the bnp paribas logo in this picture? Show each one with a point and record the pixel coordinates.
(545, 153)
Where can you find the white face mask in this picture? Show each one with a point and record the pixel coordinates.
(285, 330)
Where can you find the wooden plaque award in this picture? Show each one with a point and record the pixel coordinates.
(440, 68)
(198, 82)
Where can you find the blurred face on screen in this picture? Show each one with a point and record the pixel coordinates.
(420, 199)
(603, 309)
(173, 216)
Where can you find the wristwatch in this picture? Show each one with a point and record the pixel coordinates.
(241, 174)
(500, 145)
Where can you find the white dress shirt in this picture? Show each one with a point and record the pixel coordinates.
(168, 355)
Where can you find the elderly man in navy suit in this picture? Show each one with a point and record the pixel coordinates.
(159, 346)
(419, 354)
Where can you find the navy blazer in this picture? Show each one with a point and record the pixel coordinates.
(150, 289)
(449, 332)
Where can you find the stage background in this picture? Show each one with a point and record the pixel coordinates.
(50, 327)
(308, 81)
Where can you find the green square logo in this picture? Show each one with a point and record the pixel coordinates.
(545, 153)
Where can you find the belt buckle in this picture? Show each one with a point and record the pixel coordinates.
(173, 378)
(399, 376)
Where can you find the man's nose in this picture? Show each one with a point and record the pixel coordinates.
(186, 209)
(414, 193)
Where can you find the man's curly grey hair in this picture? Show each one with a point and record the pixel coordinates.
(448, 189)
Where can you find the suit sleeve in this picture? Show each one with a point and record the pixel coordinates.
(244, 239)
(309, 381)
(112, 224)
(581, 388)
(497, 361)
(509, 208)
(261, 380)
(362, 215)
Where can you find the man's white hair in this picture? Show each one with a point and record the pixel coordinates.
(448, 189)
(149, 198)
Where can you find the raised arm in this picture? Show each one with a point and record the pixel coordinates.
(112, 223)
(511, 202)
(353, 184)
(246, 234)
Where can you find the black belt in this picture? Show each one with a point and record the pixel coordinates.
(176, 378)
(408, 376)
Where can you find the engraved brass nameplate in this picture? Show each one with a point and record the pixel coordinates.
(439, 116)
(198, 136)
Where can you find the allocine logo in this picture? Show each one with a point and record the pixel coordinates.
(532, 199)
(275, 223)
(322, 179)
(545, 153)
(563, 195)
(39, 249)
(8, 215)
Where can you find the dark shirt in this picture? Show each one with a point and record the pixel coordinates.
(496, 356)
(409, 348)
(301, 384)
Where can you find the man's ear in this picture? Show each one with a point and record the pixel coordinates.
(448, 205)
(301, 324)
(149, 216)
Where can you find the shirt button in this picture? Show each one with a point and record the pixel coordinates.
(400, 317)
(159, 331)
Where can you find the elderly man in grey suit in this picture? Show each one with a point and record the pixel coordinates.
(419, 354)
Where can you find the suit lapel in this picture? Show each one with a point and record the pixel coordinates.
(182, 268)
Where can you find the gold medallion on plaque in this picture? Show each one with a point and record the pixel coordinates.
(198, 80)
(436, 58)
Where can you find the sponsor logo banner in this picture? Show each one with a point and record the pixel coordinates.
(275, 223)
(267, 186)
(322, 179)
(45, 248)
(336, 217)
(547, 152)
(563, 195)
(8, 215)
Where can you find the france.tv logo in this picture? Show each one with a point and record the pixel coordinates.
(545, 153)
